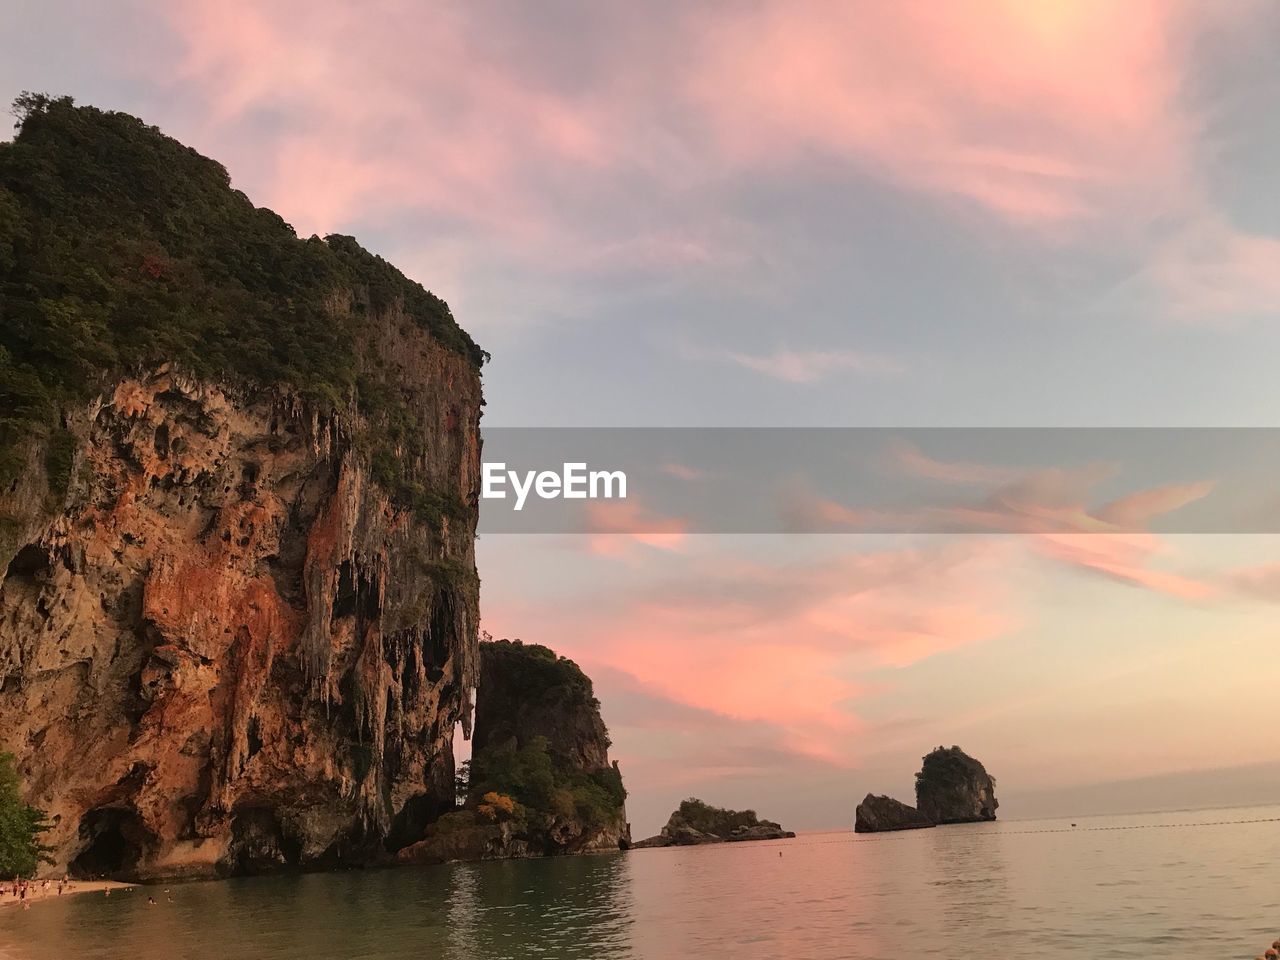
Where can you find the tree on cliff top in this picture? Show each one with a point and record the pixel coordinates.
(20, 827)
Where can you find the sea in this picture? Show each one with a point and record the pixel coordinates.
(1195, 885)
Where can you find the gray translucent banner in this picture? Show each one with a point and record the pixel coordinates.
(873, 480)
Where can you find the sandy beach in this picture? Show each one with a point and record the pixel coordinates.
(35, 893)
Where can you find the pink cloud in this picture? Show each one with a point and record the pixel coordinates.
(430, 118)
(981, 107)
(810, 366)
(788, 646)
(1123, 557)
(616, 524)
(985, 102)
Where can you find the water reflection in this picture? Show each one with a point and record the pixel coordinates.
(1178, 885)
(574, 907)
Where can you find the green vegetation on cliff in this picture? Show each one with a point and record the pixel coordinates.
(545, 785)
(120, 248)
(20, 827)
(540, 739)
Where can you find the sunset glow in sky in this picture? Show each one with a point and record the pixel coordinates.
(787, 213)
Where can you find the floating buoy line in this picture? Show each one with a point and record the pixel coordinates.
(1074, 829)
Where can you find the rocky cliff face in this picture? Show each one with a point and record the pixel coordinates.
(238, 486)
(952, 787)
(881, 814)
(228, 650)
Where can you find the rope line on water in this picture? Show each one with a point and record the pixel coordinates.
(860, 838)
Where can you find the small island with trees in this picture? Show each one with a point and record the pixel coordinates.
(695, 822)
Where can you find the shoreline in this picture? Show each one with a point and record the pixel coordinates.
(36, 895)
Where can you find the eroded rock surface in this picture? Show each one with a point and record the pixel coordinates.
(228, 650)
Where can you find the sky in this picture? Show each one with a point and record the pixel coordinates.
(787, 213)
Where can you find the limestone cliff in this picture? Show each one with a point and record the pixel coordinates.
(240, 473)
(541, 782)
(953, 787)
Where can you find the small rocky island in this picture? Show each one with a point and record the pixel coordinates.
(951, 787)
(695, 822)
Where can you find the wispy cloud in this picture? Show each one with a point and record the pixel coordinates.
(811, 366)
(1051, 508)
(683, 471)
(614, 525)
(1208, 271)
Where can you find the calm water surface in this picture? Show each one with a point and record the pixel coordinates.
(1181, 885)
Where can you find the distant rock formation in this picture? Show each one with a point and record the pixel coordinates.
(541, 782)
(952, 787)
(880, 814)
(696, 822)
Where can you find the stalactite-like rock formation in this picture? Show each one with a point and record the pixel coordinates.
(238, 486)
(230, 650)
